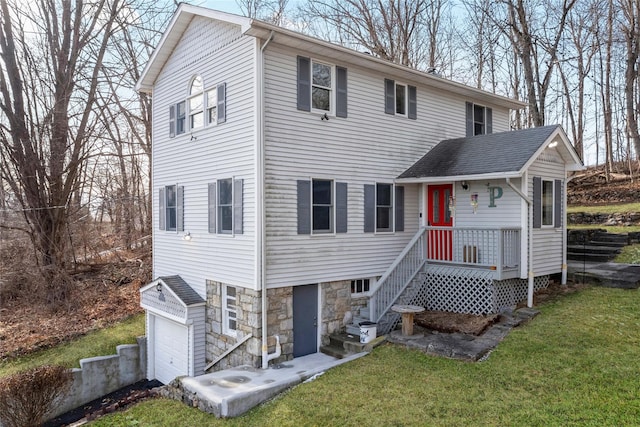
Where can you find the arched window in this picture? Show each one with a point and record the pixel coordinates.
(196, 103)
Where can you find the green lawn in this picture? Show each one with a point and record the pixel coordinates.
(606, 209)
(608, 228)
(97, 343)
(578, 363)
(629, 255)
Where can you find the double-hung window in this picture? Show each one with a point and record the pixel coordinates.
(201, 108)
(225, 206)
(547, 202)
(384, 207)
(229, 311)
(180, 118)
(322, 87)
(170, 208)
(212, 103)
(479, 119)
(400, 99)
(322, 206)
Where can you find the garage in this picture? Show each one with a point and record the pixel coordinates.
(175, 329)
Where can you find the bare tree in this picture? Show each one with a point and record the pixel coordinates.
(272, 11)
(51, 61)
(631, 30)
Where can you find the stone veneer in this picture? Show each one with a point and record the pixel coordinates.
(337, 310)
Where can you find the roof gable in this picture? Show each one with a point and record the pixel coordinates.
(171, 296)
(500, 154)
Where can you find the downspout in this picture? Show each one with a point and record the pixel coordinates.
(260, 232)
(530, 241)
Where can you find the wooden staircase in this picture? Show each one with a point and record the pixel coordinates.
(603, 247)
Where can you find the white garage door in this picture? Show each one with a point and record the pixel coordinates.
(170, 350)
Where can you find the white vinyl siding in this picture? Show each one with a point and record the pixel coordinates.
(547, 240)
(228, 150)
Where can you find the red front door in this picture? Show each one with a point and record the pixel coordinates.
(439, 241)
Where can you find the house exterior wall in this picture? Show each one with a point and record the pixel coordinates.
(219, 54)
(547, 241)
(507, 210)
(368, 146)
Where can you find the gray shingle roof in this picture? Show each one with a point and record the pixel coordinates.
(182, 290)
(484, 154)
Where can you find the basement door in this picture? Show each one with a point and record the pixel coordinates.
(440, 240)
(305, 320)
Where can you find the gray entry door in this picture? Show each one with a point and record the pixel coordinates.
(305, 320)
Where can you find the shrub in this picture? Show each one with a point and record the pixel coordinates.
(28, 396)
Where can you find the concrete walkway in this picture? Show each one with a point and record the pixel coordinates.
(234, 391)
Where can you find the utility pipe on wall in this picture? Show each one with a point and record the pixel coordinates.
(529, 237)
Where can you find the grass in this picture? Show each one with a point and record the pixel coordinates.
(630, 255)
(96, 343)
(575, 364)
(606, 209)
(609, 228)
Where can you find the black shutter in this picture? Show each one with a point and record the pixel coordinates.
(469, 117)
(413, 103)
(222, 103)
(389, 96)
(369, 208)
(341, 207)
(211, 205)
(557, 204)
(237, 206)
(489, 119)
(172, 121)
(341, 92)
(537, 202)
(179, 208)
(304, 83)
(304, 207)
(399, 216)
(162, 213)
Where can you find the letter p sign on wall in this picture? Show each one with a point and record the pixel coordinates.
(494, 194)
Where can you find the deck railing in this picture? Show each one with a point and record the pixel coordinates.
(491, 248)
(398, 276)
(494, 248)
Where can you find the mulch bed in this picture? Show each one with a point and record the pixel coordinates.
(446, 322)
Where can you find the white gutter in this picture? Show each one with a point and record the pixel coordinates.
(261, 217)
(529, 236)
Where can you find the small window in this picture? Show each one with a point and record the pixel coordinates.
(321, 86)
(171, 207)
(360, 286)
(547, 203)
(478, 120)
(401, 99)
(322, 206)
(196, 104)
(225, 206)
(384, 207)
(180, 118)
(229, 311)
(212, 102)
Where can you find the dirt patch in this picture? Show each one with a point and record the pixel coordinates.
(446, 322)
(102, 294)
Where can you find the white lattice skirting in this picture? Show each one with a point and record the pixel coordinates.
(464, 290)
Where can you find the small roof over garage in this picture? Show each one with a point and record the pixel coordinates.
(498, 155)
(171, 297)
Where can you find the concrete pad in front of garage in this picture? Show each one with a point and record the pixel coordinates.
(234, 391)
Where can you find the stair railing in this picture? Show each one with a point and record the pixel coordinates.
(398, 276)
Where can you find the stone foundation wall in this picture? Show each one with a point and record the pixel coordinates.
(248, 313)
(336, 307)
(280, 321)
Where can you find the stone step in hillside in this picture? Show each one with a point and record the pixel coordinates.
(343, 344)
(609, 275)
(610, 239)
(592, 253)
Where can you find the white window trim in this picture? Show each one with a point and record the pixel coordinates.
(406, 99)
(392, 227)
(372, 281)
(166, 208)
(219, 232)
(332, 89)
(225, 312)
(542, 203)
(191, 96)
(484, 118)
(332, 230)
(206, 106)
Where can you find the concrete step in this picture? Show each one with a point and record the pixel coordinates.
(589, 257)
(334, 351)
(610, 275)
(607, 243)
(611, 237)
(345, 344)
(594, 249)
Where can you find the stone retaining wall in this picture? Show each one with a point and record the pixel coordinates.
(624, 219)
(101, 375)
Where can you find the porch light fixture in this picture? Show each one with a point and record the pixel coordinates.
(465, 185)
(553, 144)
(159, 287)
(187, 236)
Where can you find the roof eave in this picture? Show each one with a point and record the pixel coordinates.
(559, 136)
(472, 177)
